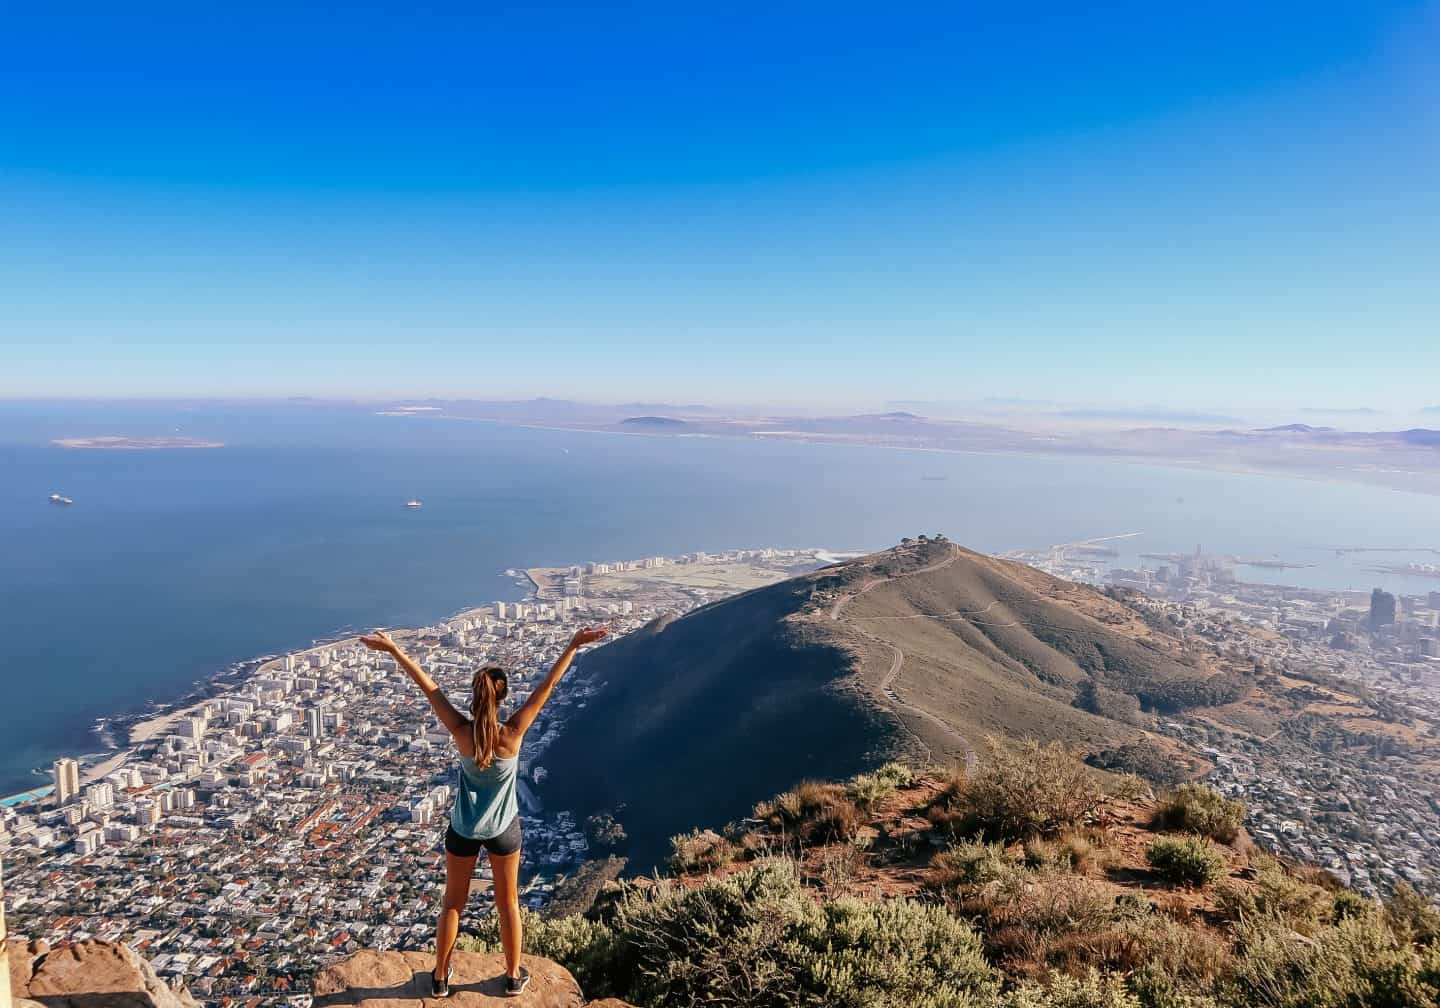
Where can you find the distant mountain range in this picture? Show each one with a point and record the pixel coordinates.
(923, 649)
(1404, 459)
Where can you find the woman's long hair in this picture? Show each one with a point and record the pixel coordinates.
(487, 692)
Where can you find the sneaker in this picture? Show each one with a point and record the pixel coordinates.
(440, 986)
(515, 986)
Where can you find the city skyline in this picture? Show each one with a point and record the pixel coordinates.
(1212, 209)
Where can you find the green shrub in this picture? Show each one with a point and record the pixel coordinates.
(970, 863)
(1094, 990)
(813, 813)
(1071, 852)
(1199, 808)
(898, 774)
(1032, 920)
(869, 790)
(1357, 963)
(1413, 916)
(585, 947)
(756, 939)
(1126, 787)
(1021, 790)
(700, 851)
(1278, 893)
(1174, 965)
(1189, 860)
(859, 954)
(1349, 903)
(1430, 967)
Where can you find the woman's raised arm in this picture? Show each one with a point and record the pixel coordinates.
(455, 722)
(522, 719)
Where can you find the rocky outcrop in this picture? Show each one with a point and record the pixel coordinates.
(93, 974)
(402, 980)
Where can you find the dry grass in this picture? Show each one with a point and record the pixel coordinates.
(813, 813)
(1022, 791)
(1199, 808)
(700, 851)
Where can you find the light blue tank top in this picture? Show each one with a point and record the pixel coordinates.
(485, 800)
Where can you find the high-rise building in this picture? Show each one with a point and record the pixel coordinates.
(66, 775)
(313, 726)
(1382, 609)
(101, 795)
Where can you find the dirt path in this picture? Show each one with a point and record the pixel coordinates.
(897, 660)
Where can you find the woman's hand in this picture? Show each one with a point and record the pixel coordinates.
(379, 641)
(587, 635)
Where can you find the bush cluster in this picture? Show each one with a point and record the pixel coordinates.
(1199, 808)
(1359, 961)
(970, 863)
(1093, 990)
(1022, 790)
(1281, 895)
(757, 939)
(869, 790)
(1187, 860)
(813, 813)
(700, 851)
(1030, 903)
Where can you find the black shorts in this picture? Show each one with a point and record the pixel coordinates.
(507, 842)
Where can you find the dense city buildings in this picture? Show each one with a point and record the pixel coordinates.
(1340, 766)
(292, 817)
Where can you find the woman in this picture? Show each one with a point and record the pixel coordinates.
(486, 813)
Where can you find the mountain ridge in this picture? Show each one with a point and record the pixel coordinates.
(922, 650)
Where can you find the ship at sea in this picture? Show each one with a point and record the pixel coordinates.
(60, 499)
(414, 505)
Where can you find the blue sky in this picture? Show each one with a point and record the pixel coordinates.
(1217, 208)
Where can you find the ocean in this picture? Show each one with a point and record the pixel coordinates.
(173, 564)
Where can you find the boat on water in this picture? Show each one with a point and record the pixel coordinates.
(60, 499)
(414, 505)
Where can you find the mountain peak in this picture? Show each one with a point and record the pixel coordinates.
(921, 650)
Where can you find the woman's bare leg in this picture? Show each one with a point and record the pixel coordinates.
(506, 869)
(458, 873)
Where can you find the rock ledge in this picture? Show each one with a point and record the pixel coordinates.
(402, 980)
(92, 974)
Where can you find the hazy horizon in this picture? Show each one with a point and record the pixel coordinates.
(1057, 414)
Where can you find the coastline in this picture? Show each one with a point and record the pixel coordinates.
(140, 729)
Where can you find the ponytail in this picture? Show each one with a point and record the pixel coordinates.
(486, 694)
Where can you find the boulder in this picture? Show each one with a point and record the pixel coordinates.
(92, 974)
(22, 957)
(402, 980)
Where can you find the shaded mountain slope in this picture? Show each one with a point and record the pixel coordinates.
(701, 716)
(924, 648)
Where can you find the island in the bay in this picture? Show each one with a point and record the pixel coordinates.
(121, 442)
